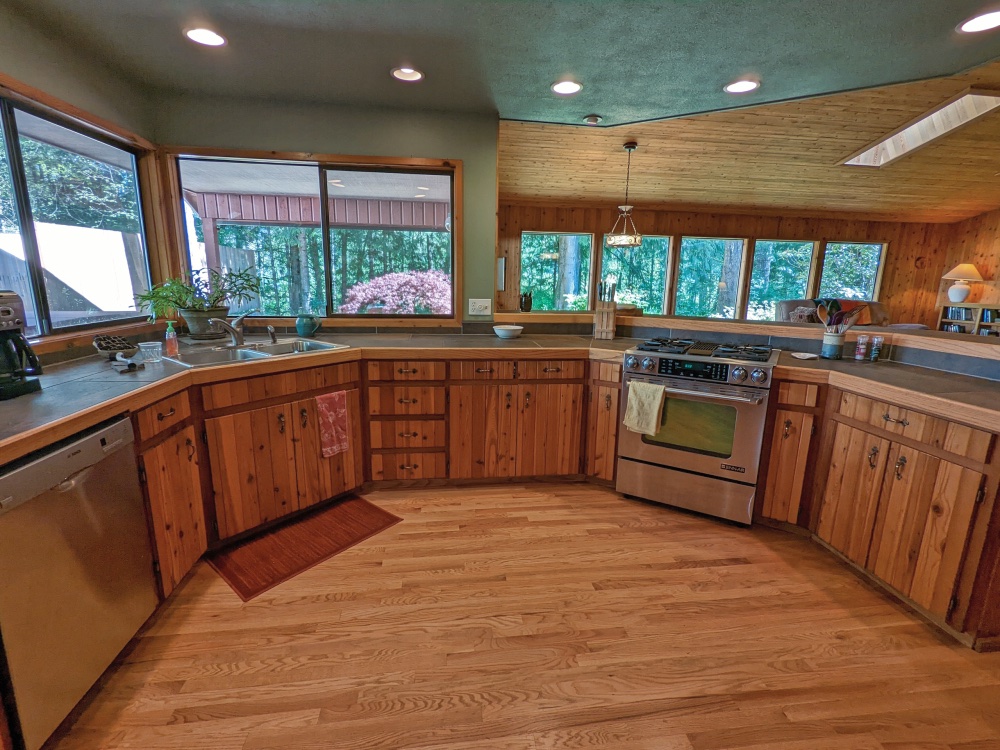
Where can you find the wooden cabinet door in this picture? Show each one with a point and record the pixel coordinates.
(173, 486)
(787, 469)
(482, 426)
(549, 431)
(319, 478)
(851, 499)
(602, 431)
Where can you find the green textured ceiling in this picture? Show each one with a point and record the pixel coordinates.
(637, 60)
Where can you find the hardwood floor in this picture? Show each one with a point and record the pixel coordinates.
(542, 617)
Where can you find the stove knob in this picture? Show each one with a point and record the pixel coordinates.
(631, 362)
(648, 363)
(759, 376)
(739, 374)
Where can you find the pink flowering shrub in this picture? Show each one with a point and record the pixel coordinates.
(409, 293)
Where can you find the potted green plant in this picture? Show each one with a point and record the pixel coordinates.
(206, 295)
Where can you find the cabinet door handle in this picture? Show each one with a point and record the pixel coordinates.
(551, 369)
(305, 416)
(607, 402)
(409, 467)
(900, 463)
(509, 396)
(407, 401)
(787, 430)
(516, 376)
(411, 371)
(484, 369)
(871, 456)
(527, 399)
(281, 423)
(160, 416)
(409, 434)
(191, 449)
(900, 422)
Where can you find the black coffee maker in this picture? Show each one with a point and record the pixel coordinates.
(18, 363)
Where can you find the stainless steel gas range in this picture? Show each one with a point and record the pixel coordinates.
(706, 452)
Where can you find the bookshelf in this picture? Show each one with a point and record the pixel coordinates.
(979, 319)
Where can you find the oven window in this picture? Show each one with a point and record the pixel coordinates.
(696, 426)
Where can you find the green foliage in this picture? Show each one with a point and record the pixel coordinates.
(708, 277)
(555, 268)
(780, 271)
(850, 270)
(640, 272)
(207, 288)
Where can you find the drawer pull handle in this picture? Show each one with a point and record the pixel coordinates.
(484, 369)
(411, 371)
(409, 434)
(551, 369)
(509, 395)
(191, 449)
(160, 416)
(787, 431)
(607, 402)
(408, 467)
(281, 423)
(407, 401)
(871, 456)
(900, 464)
(305, 417)
(527, 399)
(900, 422)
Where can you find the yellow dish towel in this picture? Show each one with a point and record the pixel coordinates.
(645, 403)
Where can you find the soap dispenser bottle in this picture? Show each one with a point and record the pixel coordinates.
(170, 345)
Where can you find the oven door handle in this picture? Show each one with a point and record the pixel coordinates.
(750, 398)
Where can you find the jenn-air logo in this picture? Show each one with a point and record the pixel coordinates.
(738, 469)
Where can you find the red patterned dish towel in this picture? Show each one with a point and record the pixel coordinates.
(333, 422)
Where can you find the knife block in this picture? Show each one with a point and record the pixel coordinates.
(604, 320)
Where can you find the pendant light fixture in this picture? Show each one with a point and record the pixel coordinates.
(628, 236)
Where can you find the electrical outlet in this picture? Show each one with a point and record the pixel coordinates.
(480, 306)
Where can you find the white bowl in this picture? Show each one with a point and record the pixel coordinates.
(508, 332)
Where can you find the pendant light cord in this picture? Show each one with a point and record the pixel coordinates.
(628, 173)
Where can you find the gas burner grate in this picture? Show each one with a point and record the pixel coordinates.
(744, 352)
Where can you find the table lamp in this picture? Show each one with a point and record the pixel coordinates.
(961, 274)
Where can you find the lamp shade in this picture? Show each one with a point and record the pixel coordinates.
(964, 272)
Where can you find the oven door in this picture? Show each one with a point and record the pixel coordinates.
(705, 428)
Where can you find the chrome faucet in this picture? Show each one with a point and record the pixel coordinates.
(235, 329)
(271, 333)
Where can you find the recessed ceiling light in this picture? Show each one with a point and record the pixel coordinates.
(420, 195)
(337, 184)
(205, 36)
(566, 88)
(592, 119)
(983, 22)
(742, 86)
(422, 188)
(407, 74)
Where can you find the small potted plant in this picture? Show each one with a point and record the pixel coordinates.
(206, 295)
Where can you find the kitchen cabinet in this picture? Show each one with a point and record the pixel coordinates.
(515, 430)
(267, 463)
(901, 513)
(793, 431)
(172, 479)
(602, 431)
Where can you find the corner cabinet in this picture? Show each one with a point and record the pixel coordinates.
(791, 446)
(903, 508)
(603, 404)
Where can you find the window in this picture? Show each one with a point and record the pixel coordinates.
(780, 271)
(82, 258)
(555, 269)
(850, 270)
(383, 246)
(708, 277)
(641, 273)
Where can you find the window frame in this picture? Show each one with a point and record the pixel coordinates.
(29, 239)
(820, 260)
(591, 278)
(743, 281)
(321, 163)
(669, 274)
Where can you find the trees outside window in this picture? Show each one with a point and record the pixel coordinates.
(555, 268)
(641, 273)
(850, 270)
(708, 277)
(780, 271)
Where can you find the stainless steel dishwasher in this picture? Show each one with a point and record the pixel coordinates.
(76, 571)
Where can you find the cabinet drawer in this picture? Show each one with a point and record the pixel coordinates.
(571, 369)
(482, 369)
(798, 394)
(606, 372)
(388, 400)
(397, 370)
(162, 415)
(249, 390)
(388, 466)
(406, 435)
(933, 431)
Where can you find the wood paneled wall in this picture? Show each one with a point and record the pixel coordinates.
(915, 258)
(977, 241)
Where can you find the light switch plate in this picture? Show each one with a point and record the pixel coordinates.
(480, 306)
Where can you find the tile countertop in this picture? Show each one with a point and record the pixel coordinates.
(91, 388)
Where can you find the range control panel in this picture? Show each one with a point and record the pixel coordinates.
(680, 368)
(700, 368)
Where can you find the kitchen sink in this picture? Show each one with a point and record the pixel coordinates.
(224, 355)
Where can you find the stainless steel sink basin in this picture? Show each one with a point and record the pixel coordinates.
(226, 355)
(296, 346)
(207, 357)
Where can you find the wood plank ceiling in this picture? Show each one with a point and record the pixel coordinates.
(781, 158)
